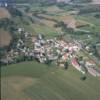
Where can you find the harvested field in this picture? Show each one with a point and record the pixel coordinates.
(4, 13)
(81, 23)
(69, 20)
(48, 22)
(96, 2)
(5, 38)
(53, 9)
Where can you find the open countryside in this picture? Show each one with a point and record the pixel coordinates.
(50, 50)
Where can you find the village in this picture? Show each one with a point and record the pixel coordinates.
(47, 51)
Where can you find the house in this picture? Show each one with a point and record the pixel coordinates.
(75, 64)
(20, 30)
(93, 71)
(90, 65)
(65, 57)
(87, 48)
(3, 61)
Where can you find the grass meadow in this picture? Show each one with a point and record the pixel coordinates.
(34, 81)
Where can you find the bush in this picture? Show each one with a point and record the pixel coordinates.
(15, 12)
(66, 65)
(97, 15)
(83, 78)
(90, 9)
(20, 59)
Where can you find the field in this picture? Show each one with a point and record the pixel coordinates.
(4, 13)
(94, 22)
(5, 38)
(54, 9)
(34, 81)
(96, 2)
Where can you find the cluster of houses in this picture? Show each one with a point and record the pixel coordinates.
(20, 49)
(61, 52)
(46, 51)
(54, 50)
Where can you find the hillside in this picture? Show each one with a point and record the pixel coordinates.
(34, 81)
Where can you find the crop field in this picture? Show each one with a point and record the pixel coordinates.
(81, 23)
(46, 30)
(67, 19)
(96, 2)
(34, 81)
(4, 13)
(5, 38)
(94, 22)
(54, 9)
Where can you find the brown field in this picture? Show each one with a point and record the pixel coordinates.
(54, 9)
(96, 2)
(4, 13)
(48, 22)
(5, 38)
(51, 25)
(67, 19)
(13, 87)
(81, 23)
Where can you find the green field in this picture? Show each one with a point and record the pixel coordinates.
(34, 81)
(95, 23)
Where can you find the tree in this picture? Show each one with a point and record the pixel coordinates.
(66, 65)
(83, 78)
(27, 9)
(15, 12)
(97, 15)
(80, 58)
